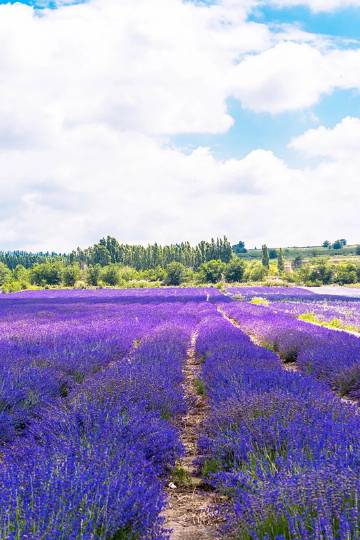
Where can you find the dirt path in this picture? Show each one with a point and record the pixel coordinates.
(190, 511)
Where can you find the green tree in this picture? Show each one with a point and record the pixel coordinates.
(101, 255)
(265, 257)
(321, 272)
(93, 275)
(255, 271)
(5, 274)
(175, 273)
(154, 274)
(20, 273)
(49, 273)
(239, 247)
(273, 253)
(281, 261)
(234, 270)
(357, 250)
(339, 244)
(326, 244)
(212, 271)
(346, 273)
(298, 262)
(110, 275)
(71, 275)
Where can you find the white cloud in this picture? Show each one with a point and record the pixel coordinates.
(318, 5)
(99, 182)
(90, 93)
(340, 143)
(293, 76)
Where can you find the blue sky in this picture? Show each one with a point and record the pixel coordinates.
(170, 120)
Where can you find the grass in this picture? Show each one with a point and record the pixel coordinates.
(200, 387)
(180, 477)
(259, 301)
(333, 323)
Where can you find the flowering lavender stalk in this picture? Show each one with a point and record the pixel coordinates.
(280, 444)
(92, 383)
(330, 356)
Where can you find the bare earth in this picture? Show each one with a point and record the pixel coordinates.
(190, 512)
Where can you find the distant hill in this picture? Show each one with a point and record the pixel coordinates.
(305, 252)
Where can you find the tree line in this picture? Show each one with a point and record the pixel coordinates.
(109, 263)
(109, 251)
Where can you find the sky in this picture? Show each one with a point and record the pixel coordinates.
(173, 120)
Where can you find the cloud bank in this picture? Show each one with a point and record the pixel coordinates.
(91, 96)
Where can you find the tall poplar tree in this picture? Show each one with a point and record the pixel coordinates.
(265, 257)
(281, 261)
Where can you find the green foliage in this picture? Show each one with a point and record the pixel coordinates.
(357, 250)
(234, 270)
(109, 250)
(281, 261)
(210, 466)
(200, 387)
(239, 247)
(154, 274)
(254, 271)
(346, 273)
(93, 274)
(265, 259)
(273, 253)
(338, 244)
(71, 274)
(321, 272)
(49, 273)
(259, 301)
(175, 273)
(5, 274)
(212, 271)
(180, 477)
(298, 261)
(111, 275)
(332, 323)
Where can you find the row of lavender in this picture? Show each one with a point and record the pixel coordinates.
(280, 444)
(331, 356)
(91, 385)
(341, 311)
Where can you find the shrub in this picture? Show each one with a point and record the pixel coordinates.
(49, 273)
(111, 275)
(211, 271)
(175, 273)
(71, 274)
(234, 270)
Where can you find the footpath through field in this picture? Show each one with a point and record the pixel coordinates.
(190, 512)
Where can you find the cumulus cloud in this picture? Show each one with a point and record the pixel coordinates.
(90, 95)
(293, 76)
(339, 143)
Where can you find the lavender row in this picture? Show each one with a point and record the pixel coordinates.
(331, 356)
(279, 444)
(340, 311)
(47, 352)
(91, 468)
(91, 388)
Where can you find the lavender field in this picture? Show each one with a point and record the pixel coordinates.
(98, 388)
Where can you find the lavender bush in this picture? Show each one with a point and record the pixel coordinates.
(91, 383)
(279, 444)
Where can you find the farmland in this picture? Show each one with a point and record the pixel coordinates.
(179, 413)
